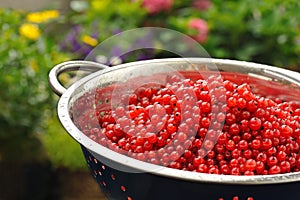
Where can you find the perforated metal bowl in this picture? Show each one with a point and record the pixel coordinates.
(122, 177)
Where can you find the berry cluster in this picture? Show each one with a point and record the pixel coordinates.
(206, 125)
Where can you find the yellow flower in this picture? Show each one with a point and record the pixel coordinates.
(89, 40)
(100, 5)
(44, 16)
(30, 31)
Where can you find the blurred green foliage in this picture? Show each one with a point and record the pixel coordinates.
(252, 30)
(61, 148)
(26, 55)
(261, 31)
(106, 16)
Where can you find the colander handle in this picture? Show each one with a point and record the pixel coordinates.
(76, 65)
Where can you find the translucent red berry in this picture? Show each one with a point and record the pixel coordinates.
(255, 123)
(206, 125)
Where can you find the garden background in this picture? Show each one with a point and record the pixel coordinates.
(38, 160)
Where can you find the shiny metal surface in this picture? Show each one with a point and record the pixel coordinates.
(259, 71)
(70, 66)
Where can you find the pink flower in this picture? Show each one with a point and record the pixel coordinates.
(202, 4)
(201, 28)
(155, 6)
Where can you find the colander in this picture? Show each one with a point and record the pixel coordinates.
(124, 178)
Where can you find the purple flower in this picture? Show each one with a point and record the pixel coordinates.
(73, 44)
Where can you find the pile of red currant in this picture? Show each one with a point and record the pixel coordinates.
(207, 125)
